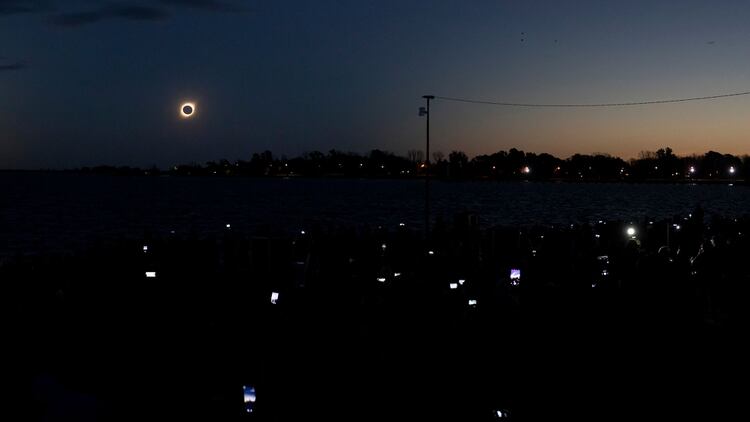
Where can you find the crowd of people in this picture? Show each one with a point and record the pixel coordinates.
(608, 319)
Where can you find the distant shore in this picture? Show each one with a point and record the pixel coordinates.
(661, 166)
(630, 180)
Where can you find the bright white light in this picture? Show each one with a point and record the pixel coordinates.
(381, 279)
(383, 246)
(301, 232)
(229, 226)
(145, 248)
(431, 252)
(461, 281)
(731, 170)
(597, 235)
(501, 414)
(274, 297)
(472, 302)
(605, 272)
(692, 169)
(454, 286)
(526, 170)
(402, 224)
(150, 274)
(677, 227)
(397, 274)
(631, 231)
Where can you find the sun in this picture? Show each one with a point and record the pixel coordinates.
(187, 110)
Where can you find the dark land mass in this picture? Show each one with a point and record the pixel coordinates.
(661, 166)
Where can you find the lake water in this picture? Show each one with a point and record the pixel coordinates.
(56, 212)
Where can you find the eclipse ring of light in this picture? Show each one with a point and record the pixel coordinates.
(187, 109)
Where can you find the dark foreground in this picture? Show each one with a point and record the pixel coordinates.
(374, 324)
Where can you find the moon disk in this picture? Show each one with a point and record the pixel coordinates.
(187, 110)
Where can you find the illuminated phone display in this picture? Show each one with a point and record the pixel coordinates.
(515, 277)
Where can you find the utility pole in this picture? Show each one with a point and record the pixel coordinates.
(425, 111)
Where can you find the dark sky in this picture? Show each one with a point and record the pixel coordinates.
(88, 82)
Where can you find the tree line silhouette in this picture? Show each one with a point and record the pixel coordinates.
(513, 164)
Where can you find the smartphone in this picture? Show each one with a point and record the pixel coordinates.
(249, 398)
(515, 277)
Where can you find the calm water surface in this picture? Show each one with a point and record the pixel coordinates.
(56, 212)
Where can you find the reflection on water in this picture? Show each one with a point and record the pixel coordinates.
(56, 211)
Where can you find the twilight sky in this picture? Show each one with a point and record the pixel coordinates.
(85, 82)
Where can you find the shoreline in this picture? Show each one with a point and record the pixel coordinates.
(703, 181)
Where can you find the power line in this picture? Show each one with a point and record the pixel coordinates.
(622, 104)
